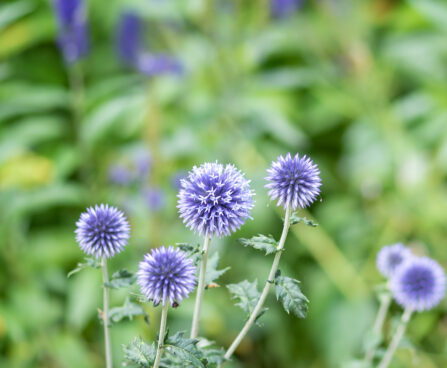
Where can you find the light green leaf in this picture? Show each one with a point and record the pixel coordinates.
(140, 353)
(184, 351)
(128, 310)
(121, 279)
(88, 262)
(247, 295)
(295, 219)
(212, 273)
(265, 243)
(289, 294)
(192, 251)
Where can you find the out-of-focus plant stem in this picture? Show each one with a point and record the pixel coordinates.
(108, 350)
(161, 336)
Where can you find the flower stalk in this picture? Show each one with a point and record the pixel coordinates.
(161, 336)
(396, 338)
(266, 289)
(200, 289)
(108, 350)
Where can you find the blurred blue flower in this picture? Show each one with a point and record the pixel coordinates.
(154, 198)
(391, 257)
(73, 33)
(142, 161)
(154, 64)
(282, 8)
(102, 231)
(129, 37)
(166, 274)
(294, 181)
(215, 200)
(120, 174)
(419, 284)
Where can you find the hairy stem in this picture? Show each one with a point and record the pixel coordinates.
(106, 314)
(396, 339)
(385, 302)
(200, 289)
(264, 294)
(161, 336)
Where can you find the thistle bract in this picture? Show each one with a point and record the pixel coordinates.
(391, 257)
(215, 200)
(293, 181)
(419, 284)
(102, 231)
(166, 274)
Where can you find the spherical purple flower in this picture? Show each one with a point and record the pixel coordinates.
(391, 257)
(154, 198)
(215, 200)
(166, 274)
(102, 231)
(294, 181)
(419, 284)
(120, 174)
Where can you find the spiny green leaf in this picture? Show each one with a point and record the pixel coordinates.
(212, 273)
(265, 243)
(289, 294)
(128, 310)
(183, 350)
(121, 279)
(88, 262)
(295, 219)
(140, 353)
(248, 296)
(192, 251)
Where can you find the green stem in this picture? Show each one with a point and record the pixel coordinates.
(200, 289)
(264, 294)
(161, 336)
(396, 339)
(105, 278)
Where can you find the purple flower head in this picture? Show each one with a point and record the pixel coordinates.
(215, 200)
(154, 198)
(73, 34)
(166, 274)
(102, 231)
(391, 257)
(282, 8)
(129, 37)
(155, 64)
(120, 174)
(419, 284)
(142, 162)
(294, 181)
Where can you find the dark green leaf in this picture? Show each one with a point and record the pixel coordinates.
(289, 294)
(140, 353)
(193, 251)
(128, 310)
(295, 219)
(88, 262)
(212, 273)
(265, 243)
(183, 350)
(121, 279)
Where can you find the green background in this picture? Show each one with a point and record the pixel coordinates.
(360, 86)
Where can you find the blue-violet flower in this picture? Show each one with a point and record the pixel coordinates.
(391, 257)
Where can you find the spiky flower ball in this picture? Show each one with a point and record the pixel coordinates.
(391, 257)
(166, 274)
(419, 284)
(215, 200)
(102, 231)
(293, 181)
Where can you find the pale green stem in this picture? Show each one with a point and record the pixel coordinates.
(161, 336)
(396, 339)
(200, 289)
(385, 302)
(106, 314)
(264, 294)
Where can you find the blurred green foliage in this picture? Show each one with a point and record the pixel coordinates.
(361, 86)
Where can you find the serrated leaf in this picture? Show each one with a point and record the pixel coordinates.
(265, 243)
(183, 350)
(248, 296)
(212, 273)
(121, 279)
(140, 353)
(192, 251)
(88, 262)
(295, 219)
(289, 294)
(128, 310)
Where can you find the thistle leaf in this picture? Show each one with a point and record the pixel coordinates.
(247, 295)
(265, 243)
(121, 279)
(183, 351)
(212, 273)
(192, 251)
(295, 219)
(88, 262)
(140, 353)
(128, 310)
(289, 294)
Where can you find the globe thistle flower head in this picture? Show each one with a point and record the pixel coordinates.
(166, 274)
(102, 231)
(391, 257)
(215, 200)
(129, 37)
(419, 284)
(293, 181)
